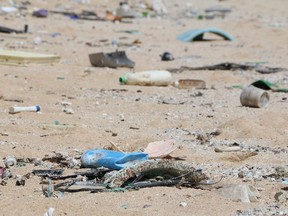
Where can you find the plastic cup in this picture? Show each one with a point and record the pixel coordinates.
(254, 97)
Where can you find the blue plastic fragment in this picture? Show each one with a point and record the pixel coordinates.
(114, 160)
(197, 34)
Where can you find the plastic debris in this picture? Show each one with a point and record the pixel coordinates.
(197, 34)
(254, 97)
(10, 57)
(42, 13)
(167, 56)
(160, 149)
(240, 192)
(110, 159)
(189, 84)
(13, 110)
(112, 60)
(4, 29)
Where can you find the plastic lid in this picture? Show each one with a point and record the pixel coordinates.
(123, 79)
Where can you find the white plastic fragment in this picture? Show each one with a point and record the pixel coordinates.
(240, 192)
(49, 212)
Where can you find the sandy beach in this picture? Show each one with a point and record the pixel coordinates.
(132, 116)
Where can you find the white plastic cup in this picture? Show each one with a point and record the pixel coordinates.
(254, 97)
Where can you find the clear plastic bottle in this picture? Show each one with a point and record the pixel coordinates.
(151, 78)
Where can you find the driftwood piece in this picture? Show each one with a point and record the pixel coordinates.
(231, 66)
(164, 168)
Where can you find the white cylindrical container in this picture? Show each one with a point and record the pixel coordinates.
(13, 110)
(147, 78)
(254, 97)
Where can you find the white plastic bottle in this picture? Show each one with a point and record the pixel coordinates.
(151, 78)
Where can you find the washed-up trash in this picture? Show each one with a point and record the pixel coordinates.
(189, 84)
(49, 212)
(218, 9)
(134, 32)
(110, 159)
(21, 58)
(48, 173)
(111, 17)
(42, 13)
(160, 149)
(2, 170)
(63, 159)
(172, 172)
(4, 29)
(10, 161)
(13, 110)
(8, 9)
(266, 85)
(84, 15)
(147, 78)
(231, 66)
(254, 97)
(240, 192)
(159, 7)
(197, 34)
(57, 125)
(228, 149)
(167, 56)
(112, 60)
(124, 11)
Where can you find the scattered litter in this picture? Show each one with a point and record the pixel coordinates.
(22, 58)
(8, 9)
(84, 15)
(183, 204)
(10, 30)
(67, 110)
(20, 180)
(10, 161)
(124, 11)
(2, 170)
(240, 192)
(147, 78)
(110, 159)
(57, 125)
(49, 212)
(48, 173)
(266, 85)
(197, 35)
(160, 149)
(42, 13)
(228, 149)
(167, 56)
(13, 110)
(112, 60)
(231, 66)
(134, 32)
(159, 7)
(254, 97)
(189, 84)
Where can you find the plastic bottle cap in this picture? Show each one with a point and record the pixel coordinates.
(123, 79)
